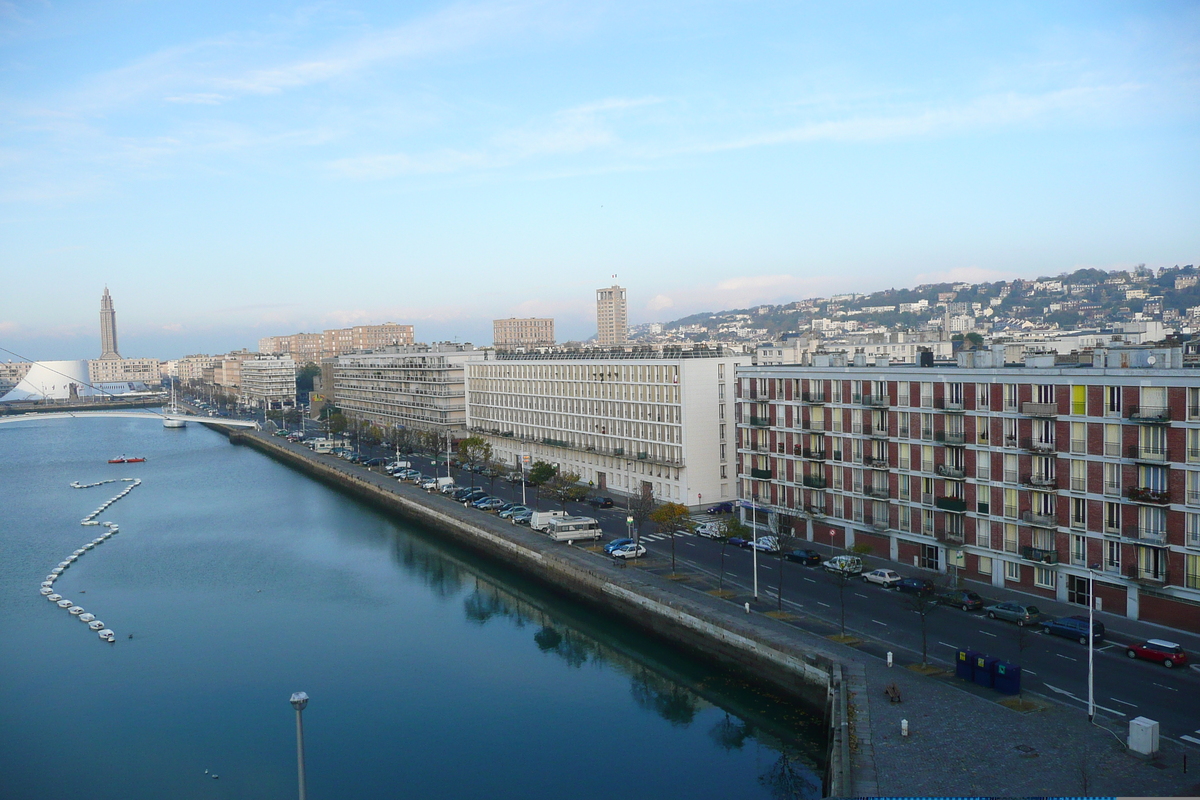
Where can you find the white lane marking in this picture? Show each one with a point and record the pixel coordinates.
(810, 580)
(765, 566)
(877, 622)
(951, 646)
(690, 544)
(1172, 688)
(1068, 658)
(1029, 672)
(1122, 702)
(985, 633)
(856, 594)
(1079, 699)
(824, 604)
(1191, 739)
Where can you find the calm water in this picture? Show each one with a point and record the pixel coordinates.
(431, 674)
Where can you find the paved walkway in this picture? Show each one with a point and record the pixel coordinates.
(961, 740)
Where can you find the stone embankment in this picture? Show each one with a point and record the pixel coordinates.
(797, 666)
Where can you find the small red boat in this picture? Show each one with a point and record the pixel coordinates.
(124, 460)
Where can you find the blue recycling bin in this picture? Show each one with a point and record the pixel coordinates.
(983, 669)
(964, 664)
(1006, 677)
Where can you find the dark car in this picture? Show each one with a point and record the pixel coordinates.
(720, 508)
(615, 543)
(738, 541)
(809, 557)
(1169, 654)
(374, 462)
(967, 601)
(921, 586)
(1015, 612)
(1075, 627)
(600, 502)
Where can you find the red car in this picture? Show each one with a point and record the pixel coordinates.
(1169, 654)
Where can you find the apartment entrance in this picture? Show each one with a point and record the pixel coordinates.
(930, 556)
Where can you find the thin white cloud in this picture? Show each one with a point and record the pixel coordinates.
(199, 98)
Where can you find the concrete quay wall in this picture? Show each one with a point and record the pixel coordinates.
(710, 630)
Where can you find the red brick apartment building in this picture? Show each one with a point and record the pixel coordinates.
(1022, 475)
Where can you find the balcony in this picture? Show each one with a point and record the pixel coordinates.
(815, 455)
(954, 473)
(877, 432)
(1142, 494)
(1039, 555)
(814, 482)
(950, 437)
(878, 492)
(1150, 577)
(815, 425)
(955, 504)
(1150, 415)
(952, 406)
(1155, 454)
(1039, 520)
(815, 510)
(761, 474)
(643, 456)
(1037, 445)
(878, 463)
(812, 398)
(760, 422)
(876, 400)
(1039, 409)
(878, 523)
(952, 537)
(1078, 484)
(1040, 481)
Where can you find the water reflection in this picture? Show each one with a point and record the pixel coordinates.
(660, 681)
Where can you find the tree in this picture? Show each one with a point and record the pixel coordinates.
(564, 487)
(474, 451)
(840, 579)
(640, 506)
(672, 518)
(539, 474)
(923, 605)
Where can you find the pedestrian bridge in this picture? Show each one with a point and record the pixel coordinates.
(155, 416)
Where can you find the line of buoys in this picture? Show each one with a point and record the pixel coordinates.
(47, 587)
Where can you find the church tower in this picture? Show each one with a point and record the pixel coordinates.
(108, 327)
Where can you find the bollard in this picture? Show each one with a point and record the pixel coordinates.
(747, 608)
(889, 658)
(904, 727)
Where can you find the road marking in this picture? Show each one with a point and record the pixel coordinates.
(766, 566)
(1191, 739)
(824, 604)
(877, 622)
(951, 646)
(1173, 689)
(985, 633)
(1122, 702)
(690, 544)
(1068, 658)
(810, 580)
(1029, 672)
(1081, 700)
(856, 594)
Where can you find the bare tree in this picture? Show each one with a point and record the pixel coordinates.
(924, 604)
(841, 579)
(672, 518)
(640, 506)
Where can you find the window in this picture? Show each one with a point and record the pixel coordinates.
(1153, 478)
(1112, 517)
(983, 466)
(1112, 441)
(1112, 401)
(1079, 401)
(1012, 571)
(1079, 513)
(1112, 556)
(983, 395)
(1078, 475)
(1010, 468)
(1043, 577)
(1010, 432)
(1010, 537)
(1193, 404)
(985, 565)
(926, 394)
(1010, 503)
(1079, 550)
(1193, 446)
(1112, 479)
(902, 393)
(1078, 437)
(1045, 393)
(983, 533)
(1191, 577)
(1010, 397)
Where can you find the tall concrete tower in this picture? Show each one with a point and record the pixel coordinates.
(108, 327)
(612, 321)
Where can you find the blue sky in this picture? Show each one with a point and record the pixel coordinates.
(234, 170)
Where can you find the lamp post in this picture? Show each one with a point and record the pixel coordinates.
(299, 701)
(629, 526)
(754, 542)
(1091, 640)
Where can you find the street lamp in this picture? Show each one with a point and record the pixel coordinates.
(299, 701)
(629, 525)
(1091, 640)
(754, 542)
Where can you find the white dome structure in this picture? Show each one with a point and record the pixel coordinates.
(53, 380)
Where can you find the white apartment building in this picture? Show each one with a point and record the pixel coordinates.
(268, 382)
(122, 370)
(621, 420)
(414, 386)
(523, 332)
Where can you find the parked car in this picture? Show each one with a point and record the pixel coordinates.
(738, 541)
(1014, 612)
(478, 494)
(766, 544)
(429, 483)
(489, 504)
(964, 599)
(615, 543)
(710, 530)
(1169, 654)
(846, 565)
(809, 557)
(887, 578)
(720, 508)
(449, 488)
(373, 462)
(523, 518)
(1075, 627)
(600, 502)
(629, 551)
(919, 586)
(509, 513)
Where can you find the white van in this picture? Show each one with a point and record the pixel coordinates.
(846, 565)
(540, 520)
(574, 529)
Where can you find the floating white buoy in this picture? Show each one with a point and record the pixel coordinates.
(107, 634)
(87, 617)
(65, 603)
(47, 590)
(96, 625)
(56, 571)
(54, 598)
(75, 611)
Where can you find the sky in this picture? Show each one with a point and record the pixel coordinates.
(233, 170)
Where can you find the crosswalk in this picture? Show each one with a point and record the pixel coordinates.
(1192, 739)
(658, 537)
